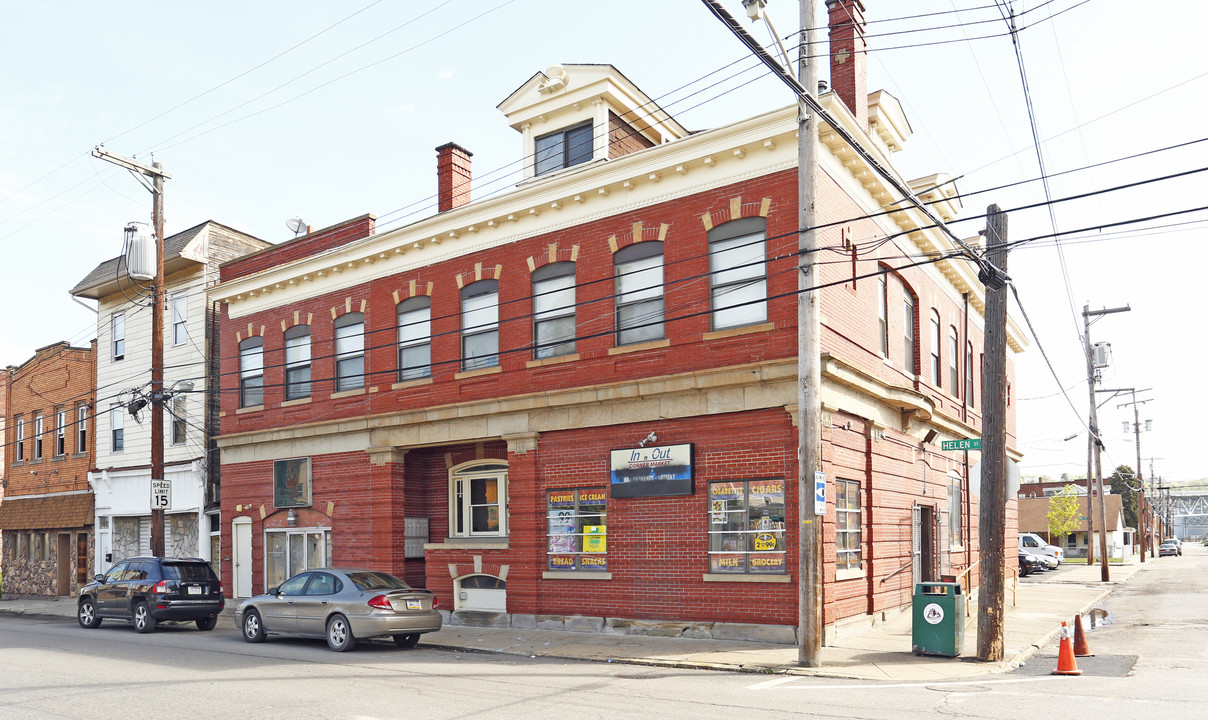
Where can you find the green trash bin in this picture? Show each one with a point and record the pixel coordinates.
(939, 619)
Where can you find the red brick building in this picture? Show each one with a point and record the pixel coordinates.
(46, 514)
(574, 404)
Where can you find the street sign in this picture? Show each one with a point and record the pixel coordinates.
(820, 494)
(966, 444)
(161, 494)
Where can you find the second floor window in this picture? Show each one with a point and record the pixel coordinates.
(936, 370)
(117, 432)
(20, 439)
(639, 292)
(883, 315)
(736, 270)
(180, 316)
(969, 374)
(179, 421)
(561, 149)
(908, 335)
(415, 338)
(38, 437)
(251, 372)
(81, 428)
(297, 362)
(350, 351)
(480, 325)
(954, 362)
(117, 329)
(60, 433)
(554, 310)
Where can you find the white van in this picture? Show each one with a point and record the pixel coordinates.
(1035, 545)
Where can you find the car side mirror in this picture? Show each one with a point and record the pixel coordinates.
(99, 577)
(274, 591)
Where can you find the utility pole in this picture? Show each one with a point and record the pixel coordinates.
(993, 503)
(809, 369)
(1140, 480)
(1096, 440)
(141, 172)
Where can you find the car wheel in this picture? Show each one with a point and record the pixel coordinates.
(253, 628)
(86, 614)
(143, 622)
(339, 634)
(409, 640)
(207, 623)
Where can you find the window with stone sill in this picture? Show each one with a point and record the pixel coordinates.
(478, 500)
(639, 292)
(747, 527)
(737, 272)
(847, 525)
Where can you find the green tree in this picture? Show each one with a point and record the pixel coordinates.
(1063, 513)
(1124, 483)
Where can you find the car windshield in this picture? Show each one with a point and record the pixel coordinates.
(189, 572)
(369, 580)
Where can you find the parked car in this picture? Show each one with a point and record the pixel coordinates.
(1049, 562)
(1029, 564)
(1178, 544)
(1036, 545)
(145, 591)
(343, 606)
(1168, 548)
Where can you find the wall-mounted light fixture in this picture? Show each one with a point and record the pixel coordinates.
(291, 518)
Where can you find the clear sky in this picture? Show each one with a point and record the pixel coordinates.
(268, 110)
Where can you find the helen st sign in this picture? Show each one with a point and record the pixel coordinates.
(966, 444)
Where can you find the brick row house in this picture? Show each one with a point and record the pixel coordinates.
(121, 472)
(573, 404)
(46, 514)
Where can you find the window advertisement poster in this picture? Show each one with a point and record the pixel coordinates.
(577, 530)
(291, 483)
(652, 471)
(727, 526)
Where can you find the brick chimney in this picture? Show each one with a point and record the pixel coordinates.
(848, 57)
(452, 176)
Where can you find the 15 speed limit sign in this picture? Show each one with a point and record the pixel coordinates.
(161, 494)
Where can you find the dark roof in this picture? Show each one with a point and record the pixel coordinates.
(108, 270)
(46, 513)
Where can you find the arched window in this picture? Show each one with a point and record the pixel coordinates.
(297, 362)
(554, 310)
(969, 375)
(478, 499)
(909, 333)
(350, 351)
(251, 372)
(936, 368)
(954, 361)
(883, 315)
(415, 338)
(639, 292)
(738, 280)
(480, 325)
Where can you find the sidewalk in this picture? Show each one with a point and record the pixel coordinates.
(879, 653)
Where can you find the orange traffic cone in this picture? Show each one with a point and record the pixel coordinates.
(1081, 649)
(1066, 664)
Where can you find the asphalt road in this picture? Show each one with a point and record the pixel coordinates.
(1151, 662)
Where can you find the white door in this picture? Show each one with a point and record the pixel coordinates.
(241, 558)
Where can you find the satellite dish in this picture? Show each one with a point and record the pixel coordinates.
(297, 224)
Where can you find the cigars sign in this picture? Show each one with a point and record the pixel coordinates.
(651, 471)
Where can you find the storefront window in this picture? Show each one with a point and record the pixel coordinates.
(847, 525)
(289, 552)
(746, 527)
(578, 530)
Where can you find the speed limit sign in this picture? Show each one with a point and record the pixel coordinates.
(161, 494)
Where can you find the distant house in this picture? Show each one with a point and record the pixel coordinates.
(46, 515)
(1033, 518)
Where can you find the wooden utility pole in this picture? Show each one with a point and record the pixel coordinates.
(1096, 442)
(141, 172)
(809, 369)
(1140, 480)
(993, 503)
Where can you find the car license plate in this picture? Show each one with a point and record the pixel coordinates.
(414, 605)
(194, 590)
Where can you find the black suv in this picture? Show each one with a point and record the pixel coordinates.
(147, 590)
